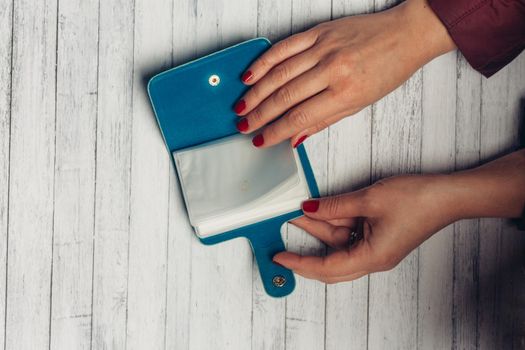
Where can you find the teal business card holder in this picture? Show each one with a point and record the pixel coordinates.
(205, 90)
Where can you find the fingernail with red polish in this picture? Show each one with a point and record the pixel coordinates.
(258, 140)
(239, 106)
(300, 140)
(311, 206)
(242, 125)
(247, 76)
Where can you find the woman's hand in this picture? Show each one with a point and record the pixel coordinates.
(397, 214)
(336, 69)
(394, 216)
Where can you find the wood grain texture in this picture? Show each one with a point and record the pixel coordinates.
(305, 308)
(514, 242)
(436, 258)
(501, 246)
(349, 169)
(349, 164)
(150, 166)
(31, 173)
(113, 158)
(180, 233)
(96, 251)
(393, 296)
(6, 26)
(269, 314)
(76, 106)
(221, 275)
(466, 232)
(220, 280)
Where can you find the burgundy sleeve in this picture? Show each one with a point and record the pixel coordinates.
(489, 33)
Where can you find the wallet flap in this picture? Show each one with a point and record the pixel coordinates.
(194, 102)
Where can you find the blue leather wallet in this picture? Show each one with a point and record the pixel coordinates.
(193, 104)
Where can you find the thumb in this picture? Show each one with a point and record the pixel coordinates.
(337, 207)
(346, 263)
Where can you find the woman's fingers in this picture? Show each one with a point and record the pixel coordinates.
(346, 278)
(338, 264)
(309, 113)
(347, 222)
(336, 207)
(276, 78)
(288, 95)
(336, 237)
(277, 53)
(323, 124)
(344, 222)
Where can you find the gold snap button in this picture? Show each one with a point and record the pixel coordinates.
(279, 281)
(214, 80)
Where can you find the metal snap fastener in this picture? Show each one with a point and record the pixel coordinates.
(214, 80)
(279, 281)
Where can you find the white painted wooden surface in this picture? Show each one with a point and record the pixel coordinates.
(95, 248)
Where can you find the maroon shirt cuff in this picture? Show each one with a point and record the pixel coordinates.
(489, 33)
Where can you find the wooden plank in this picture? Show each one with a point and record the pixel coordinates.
(349, 169)
(31, 175)
(6, 26)
(76, 106)
(393, 295)
(180, 234)
(269, 313)
(178, 292)
(221, 275)
(113, 156)
(305, 308)
(501, 246)
(274, 19)
(466, 232)
(514, 240)
(150, 166)
(437, 155)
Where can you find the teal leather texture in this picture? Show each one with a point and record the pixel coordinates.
(190, 111)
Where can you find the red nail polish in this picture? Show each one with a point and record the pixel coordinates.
(258, 140)
(300, 140)
(311, 206)
(239, 106)
(242, 125)
(247, 76)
